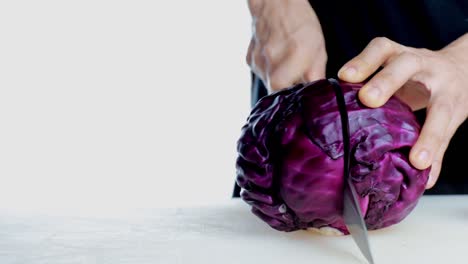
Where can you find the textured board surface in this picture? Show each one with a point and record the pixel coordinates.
(436, 232)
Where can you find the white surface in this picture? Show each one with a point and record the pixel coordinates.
(104, 102)
(436, 232)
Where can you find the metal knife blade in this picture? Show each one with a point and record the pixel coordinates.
(352, 215)
(355, 222)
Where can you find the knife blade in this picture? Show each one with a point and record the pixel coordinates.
(352, 215)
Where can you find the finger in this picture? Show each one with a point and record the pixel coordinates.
(439, 156)
(390, 79)
(255, 6)
(433, 133)
(267, 57)
(273, 53)
(248, 57)
(434, 174)
(374, 55)
(262, 31)
(257, 63)
(288, 71)
(312, 75)
(315, 72)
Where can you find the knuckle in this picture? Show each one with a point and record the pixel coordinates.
(310, 76)
(443, 107)
(426, 52)
(268, 52)
(414, 59)
(277, 81)
(248, 59)
(275, 86)
(257, 62)
(260, 30)
(248, 56)
(255, 6)
(382, 43)
(274, 80)
(294, 46)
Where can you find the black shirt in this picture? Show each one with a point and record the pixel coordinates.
(348, 26)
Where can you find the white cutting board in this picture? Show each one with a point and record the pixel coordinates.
(436, 232)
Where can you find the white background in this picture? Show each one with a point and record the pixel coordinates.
(115, 104)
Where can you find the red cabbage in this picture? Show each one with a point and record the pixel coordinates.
(290, 159)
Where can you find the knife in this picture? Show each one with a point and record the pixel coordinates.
(352, 215)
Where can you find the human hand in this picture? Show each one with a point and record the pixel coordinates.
(287, 44)
(436, 80)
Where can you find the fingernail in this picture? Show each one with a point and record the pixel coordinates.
(423, 157)
(374, 94)
(348, 71)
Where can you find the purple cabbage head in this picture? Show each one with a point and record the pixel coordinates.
(290, 159)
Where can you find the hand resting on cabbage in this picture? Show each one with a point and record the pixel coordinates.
(288, 47)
